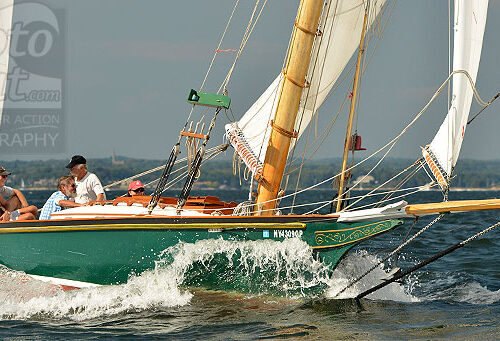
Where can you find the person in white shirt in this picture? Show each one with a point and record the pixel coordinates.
(88, 186)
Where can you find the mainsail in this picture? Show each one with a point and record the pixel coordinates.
(6, 8)
(341, 24)
(469, 22)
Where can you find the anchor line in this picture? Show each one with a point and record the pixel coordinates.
(396, 250)
(428, 260)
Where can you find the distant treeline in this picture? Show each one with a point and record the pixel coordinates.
(469, 173)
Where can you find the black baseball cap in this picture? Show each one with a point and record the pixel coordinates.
(76, 160)
(3, 171)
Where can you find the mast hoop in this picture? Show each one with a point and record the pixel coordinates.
(304, 84)
(290, 134)
(308, 31)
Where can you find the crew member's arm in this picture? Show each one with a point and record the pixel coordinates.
(69, 203)
(97, 188)
(22, 199)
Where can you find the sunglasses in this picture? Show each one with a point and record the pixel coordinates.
(72, 185)
(139, 190)
(4, 176)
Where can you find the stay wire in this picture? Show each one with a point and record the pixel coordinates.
(220, 44)
(428, 261)
(487, 105)
(396, 250)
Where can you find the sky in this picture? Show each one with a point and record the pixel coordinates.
(129, 65)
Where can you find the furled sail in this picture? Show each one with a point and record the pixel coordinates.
(341, 24)
(469, 22)
(6, 8)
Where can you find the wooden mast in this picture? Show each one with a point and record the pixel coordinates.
(354, 92)
(283, 124)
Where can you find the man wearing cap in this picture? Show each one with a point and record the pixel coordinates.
(88, 186)
(66, 191)
(135, 188)
(13, 204)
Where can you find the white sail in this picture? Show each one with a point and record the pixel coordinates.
(6, 8)
(469, 22)
(341, 24)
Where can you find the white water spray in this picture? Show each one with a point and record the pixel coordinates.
(287, 268)
(358, 263)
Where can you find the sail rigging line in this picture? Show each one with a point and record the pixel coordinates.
(246, 36)
(381, 33)
(394, 140)
(403, 182)
(415, 164)
(413, 189)
(185, 173)
(429, 260)
(325, 203)
(176, 149)
(195, 167)
(487, 105)
(476, 96)
(155, 169)
(220, 44)
(392, 253)
(155, 197)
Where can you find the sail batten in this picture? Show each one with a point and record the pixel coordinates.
(341, 23)
(469, 24)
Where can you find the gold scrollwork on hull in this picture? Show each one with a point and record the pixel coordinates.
(346, 237)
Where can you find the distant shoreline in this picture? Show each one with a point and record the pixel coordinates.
(453, 189)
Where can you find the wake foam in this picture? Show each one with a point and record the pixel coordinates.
(143, 292)
(264, 267)
(286, 268)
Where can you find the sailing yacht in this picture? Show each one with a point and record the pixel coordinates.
(107, 241)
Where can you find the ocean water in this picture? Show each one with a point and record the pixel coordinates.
(279, 291)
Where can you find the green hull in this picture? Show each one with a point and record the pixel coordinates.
(107, 251)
